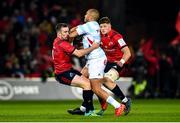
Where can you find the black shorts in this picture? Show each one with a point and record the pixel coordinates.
(114, 65)
(123, 71)
(67, 76)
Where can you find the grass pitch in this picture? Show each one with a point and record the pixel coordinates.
(50, 111)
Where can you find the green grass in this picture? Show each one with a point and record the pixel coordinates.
(142, 110)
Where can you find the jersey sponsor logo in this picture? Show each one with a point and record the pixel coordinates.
(109, 50)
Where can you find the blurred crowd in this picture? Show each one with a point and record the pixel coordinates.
(27, 32)
(26, 35)
(156, 68)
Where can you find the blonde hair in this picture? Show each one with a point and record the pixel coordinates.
(94, 14)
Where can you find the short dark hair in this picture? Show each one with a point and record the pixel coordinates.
(104, 20)
(60, 25)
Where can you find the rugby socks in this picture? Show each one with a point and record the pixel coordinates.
(100, 99)
(83, 109)
(91, 97)
(88, 100)
(83, 106)
(125, 100)
(117, 91)
(113, 102)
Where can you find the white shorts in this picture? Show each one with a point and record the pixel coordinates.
(96, 67)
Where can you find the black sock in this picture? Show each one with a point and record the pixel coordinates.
(88, 100)
(117, 91)
(91, 104)
(100, 99)
(84, 104)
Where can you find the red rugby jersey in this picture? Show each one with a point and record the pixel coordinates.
(112, 43)
(61, 55)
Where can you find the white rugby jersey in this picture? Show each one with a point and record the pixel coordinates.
(91, 32)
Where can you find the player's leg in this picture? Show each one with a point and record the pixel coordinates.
(84, 72)
(111, 76)
(96, 74)
(97, 87)
(74, 78)
(113, 87)
(82, 109)
(81, 81)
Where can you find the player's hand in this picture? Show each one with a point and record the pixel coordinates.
(120, 63)
(72, 29)
(71, 40)
(95, 45)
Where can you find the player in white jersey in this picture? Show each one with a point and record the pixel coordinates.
(96, 60)
(92, 34)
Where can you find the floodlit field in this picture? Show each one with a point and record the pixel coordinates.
(142, 110)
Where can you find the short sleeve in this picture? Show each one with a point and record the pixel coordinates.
(120, 41)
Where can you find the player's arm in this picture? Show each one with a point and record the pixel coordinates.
(73, 29)
(72, 36)
(82, 52)
(126, 52)
(73, 32)
(79, 30)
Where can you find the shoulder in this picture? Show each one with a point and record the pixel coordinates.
(116, 35)
(56, 40)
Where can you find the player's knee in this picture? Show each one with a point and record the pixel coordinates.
(86, 85)
(96, 89)
(112, 74)
(110, 85)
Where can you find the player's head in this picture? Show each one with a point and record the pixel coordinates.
(91, 15)
(105, 25)
(62, 30)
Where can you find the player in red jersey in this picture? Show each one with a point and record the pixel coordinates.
(64, 72)
(118, 54)
(112, 42)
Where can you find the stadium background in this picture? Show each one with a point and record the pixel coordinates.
(151, 28)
